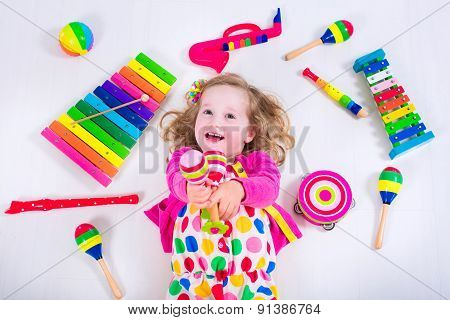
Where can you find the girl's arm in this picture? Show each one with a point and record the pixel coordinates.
(175, 180)
(263, 183)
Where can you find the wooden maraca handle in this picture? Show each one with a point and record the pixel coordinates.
(214, 213)
(214, 210)
(112, 283)
(291, 55)
(379, 240)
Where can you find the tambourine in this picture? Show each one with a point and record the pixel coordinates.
(324, 198)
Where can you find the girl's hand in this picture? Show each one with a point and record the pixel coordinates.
(198, 195)
(229, 196)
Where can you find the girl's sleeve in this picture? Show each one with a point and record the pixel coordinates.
(175, 180)
(263, 182)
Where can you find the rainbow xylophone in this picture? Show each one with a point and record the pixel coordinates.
(101, 144)
(403, 125)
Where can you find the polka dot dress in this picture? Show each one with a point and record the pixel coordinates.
(230, 266)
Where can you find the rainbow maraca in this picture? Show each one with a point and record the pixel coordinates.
(338, 32)
(389, 184)
(194, 167)
(217, 163)
(89, 240)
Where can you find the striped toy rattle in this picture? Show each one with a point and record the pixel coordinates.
(389, 184)
(89, 240)
(338, 32)
(196, 168)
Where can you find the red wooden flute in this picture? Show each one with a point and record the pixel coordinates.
(50, 204)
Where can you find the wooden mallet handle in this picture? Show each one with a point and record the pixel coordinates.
(291, 55)
(144, 98)
(112, 283)
(379, 240)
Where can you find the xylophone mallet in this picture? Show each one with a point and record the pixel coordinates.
(335, 94)
(143, 98)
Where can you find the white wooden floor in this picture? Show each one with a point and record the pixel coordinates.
(38, 258)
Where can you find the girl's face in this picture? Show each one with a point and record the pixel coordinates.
(222, 123)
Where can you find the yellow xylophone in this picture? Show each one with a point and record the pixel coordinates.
(100, 145)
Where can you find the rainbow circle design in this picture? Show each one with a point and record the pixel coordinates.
(324, 197)
(338, 32)
(89, 240)
(76, 39)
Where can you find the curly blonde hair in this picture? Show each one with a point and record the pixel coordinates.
(266, 116)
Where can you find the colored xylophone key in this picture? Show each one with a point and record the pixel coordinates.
(143, 85)
(133, 91)
(149, 76)
(124, 124)
(159, 71)
(76, 157)
(99, 133)
(90, 140)
(106, 124)
(85, 150)
(123, 97)
(125, 112)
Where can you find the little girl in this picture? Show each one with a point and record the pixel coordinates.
(226, 114)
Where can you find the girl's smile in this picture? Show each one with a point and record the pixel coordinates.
(214, 137)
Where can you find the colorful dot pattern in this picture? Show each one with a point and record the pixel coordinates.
(234, 266)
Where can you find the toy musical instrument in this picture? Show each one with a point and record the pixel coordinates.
(50, 204)
(324, 198)
(100, 144)
(403, 125)
(338, 32)
(214, 53)
(89, 241)
(144, 98)
(194, 167)
(335, 94)
(217, 163)
(389, 184)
